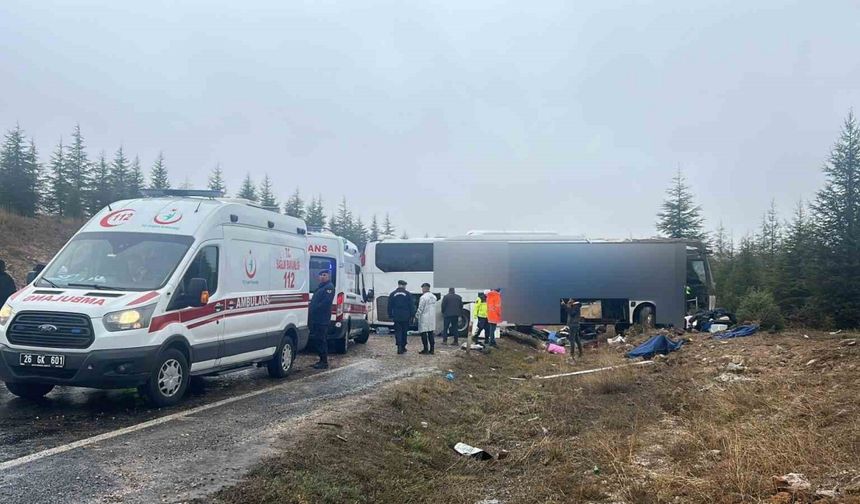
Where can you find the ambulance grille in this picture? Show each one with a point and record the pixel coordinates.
(51, 329)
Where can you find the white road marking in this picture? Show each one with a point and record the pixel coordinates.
(9, 464)
(587, 371)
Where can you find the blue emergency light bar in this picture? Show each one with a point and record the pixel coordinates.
(181, 193)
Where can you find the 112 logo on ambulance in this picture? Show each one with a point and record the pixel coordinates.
(249, 265)
(117, 218)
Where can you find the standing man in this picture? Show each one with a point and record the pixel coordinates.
(7, 285)
(401, 309)
(481, 314)
(574, 314)
(452, 308)
(319, 315)
(494, 313)
(426, 316)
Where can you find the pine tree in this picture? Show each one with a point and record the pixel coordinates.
(837, 212)
(373, 234)
(186, 184)
(37, 180)
(680, 217)
(746, 273)
(99, 193)
(404, 236)
(341, 224)
(295, 206)
(77, 170)
(136, 179)
(388, 228)
(19, 174)
(770, 233)
(360, 234)
(119, 176)
(267, 198)
(216, 180)
(58, 185)
(247, 191)
(158, 178)
(720, 244)
(315, 216)
(794, 285)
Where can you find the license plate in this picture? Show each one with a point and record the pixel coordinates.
(41, 360)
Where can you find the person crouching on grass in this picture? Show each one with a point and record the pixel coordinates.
(426, 316)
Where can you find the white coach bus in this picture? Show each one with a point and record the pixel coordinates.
(389, 260)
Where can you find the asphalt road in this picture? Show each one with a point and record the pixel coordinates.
(140, 454)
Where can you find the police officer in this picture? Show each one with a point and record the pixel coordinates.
(319, 317)
(7, 285)
(401, 309)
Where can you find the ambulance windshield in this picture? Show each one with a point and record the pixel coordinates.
(116, 261)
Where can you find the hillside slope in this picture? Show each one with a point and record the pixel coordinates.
(25, 241)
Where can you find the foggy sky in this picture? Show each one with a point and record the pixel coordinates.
(550, 115)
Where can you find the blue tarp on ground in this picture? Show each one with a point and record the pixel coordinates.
(658, 344)
(737, 332)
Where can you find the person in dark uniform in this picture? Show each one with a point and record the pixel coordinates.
(574, 314)
(7, 284)
(319, 317)
(452, 308)
(401, 309)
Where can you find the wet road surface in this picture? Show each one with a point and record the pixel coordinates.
(211, 439)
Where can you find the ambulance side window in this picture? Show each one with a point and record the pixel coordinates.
(356, 288)
(204, 266)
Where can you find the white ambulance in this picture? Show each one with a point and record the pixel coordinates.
(339, 256)
(155, 290)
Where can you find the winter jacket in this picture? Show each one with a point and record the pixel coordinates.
(494, 307)
(401, 308)
(7, 287)
(319, 311)
(480, 308)
(426, 313)
(452, 305)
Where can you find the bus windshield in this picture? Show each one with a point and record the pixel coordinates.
(117, 261)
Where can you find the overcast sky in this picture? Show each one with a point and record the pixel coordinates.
(568, 116)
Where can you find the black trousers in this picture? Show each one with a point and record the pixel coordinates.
(428, 337)
(400, 329)
(482, 327)
(450, 328)
(490, 330)
(319, 335)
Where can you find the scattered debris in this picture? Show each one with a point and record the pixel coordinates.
(659, 344)
(503, 454)
(489, 501)
(791, 483)
(341, 438)
(806, 336)
(533, 419)
(330, 424)
(738, 332)
(853, 487)
(450, 376)
(826, 494)
(728, 378)
(834, 333)
(848, 342)
(471, 451)
(555, 349)
(618, 340)
(734, 367)
(715, 328)
(424, 425)
(811, 362)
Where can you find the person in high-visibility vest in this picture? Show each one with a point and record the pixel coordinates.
(494, 313)
(481, 315)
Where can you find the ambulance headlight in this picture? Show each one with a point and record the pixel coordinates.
(6, 313)
(125, 320)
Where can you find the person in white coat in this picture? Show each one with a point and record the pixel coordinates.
(426, 316)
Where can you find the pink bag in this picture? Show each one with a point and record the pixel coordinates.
(555, 349)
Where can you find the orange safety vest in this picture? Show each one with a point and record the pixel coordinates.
(494, 307)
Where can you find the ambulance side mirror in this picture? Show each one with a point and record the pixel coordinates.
(368, 296)
(198, 292)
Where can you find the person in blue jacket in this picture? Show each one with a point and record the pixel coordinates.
(319, 317)
(401, 309)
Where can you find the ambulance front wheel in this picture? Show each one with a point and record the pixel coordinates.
(282, 364)
(169, 379)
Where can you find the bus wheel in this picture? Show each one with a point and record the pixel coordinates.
(646, 317)
(463, 323)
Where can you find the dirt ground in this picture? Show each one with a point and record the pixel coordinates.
(713, 422)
